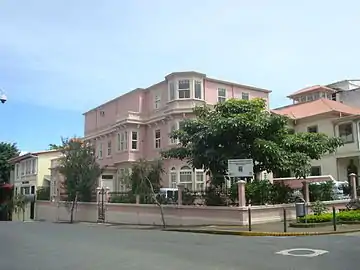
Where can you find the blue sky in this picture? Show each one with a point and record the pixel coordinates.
(60, 58)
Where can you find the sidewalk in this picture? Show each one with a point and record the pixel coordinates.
(270, 229)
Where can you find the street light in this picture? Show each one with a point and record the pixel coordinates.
(3, 97)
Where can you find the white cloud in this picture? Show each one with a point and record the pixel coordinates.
(77, 54)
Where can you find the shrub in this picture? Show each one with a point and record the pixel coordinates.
(353, 215)
(319, 208)
(43, 194)
(321, 191)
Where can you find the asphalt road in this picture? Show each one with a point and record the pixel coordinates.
(48, 246)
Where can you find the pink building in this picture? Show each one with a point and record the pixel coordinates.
(138, 123)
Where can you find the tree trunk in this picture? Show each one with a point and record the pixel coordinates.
(157, 203)
(74, 202)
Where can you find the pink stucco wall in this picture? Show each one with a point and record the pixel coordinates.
(136, 111)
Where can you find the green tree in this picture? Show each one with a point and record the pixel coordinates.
(146, 181)
(54, 146)
(7, 151)
(80, 170)
(20, 202)
(245, 129)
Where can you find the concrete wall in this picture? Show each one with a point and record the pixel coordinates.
(174, 215)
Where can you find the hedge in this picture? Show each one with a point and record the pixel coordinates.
(353, 215)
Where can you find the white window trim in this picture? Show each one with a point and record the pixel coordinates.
(122, 141)
(109, 148)
(176, 125)
(100, 150)
(352, 128)
(187, 171)
(157, 139)
(169, 90)
(137, 141)
(246, 93)
(201, 90)
(218, 96)
(171, 173)
(189, 89)
(157, 101)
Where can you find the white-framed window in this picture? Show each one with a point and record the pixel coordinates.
(186, 177)
(157, 138)
(171, 91)
(134, 140)
(199, 180)
(245, 96)
(346, 132)
(17, 170)
(28, 167)
(118, 136)
(122, 140)
(312, 129)
(100, 150)
(108, 152)
(198, 89)
(22, 167)
(173, 127)
(33, 166)
(173, 178)
(157, 102)
(184, 89)
(221, 94)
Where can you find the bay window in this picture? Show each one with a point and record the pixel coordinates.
(184, 89)
(173, 178)
(157, 139)
(186, 177)
(221, 94)
(134, 140)
(346, 132)
(198, 89)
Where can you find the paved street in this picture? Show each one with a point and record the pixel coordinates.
(44, 246)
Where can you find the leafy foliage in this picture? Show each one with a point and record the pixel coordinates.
(80, 170)
(7, 151)
(19, 205)
(343, 216)
(145, 177)
(43, 193)
(321, 191)
(245, 129)
(319, 208)
(264, 192)
(54, 147)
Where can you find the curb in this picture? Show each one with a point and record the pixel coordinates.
(248, 233)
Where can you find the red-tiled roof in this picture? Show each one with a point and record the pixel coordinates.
(320, 106)
(312, 89)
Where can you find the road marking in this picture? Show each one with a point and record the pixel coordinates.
(302, 252)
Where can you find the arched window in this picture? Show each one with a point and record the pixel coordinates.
(186, 177)
(173, 178)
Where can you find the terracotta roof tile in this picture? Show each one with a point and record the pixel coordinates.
(312, 89)
(320, 106)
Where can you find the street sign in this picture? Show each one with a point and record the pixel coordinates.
(240, 167)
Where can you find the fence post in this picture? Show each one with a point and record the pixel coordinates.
(334, 217)
(180, 193)
(249, 218)
(285, 221)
